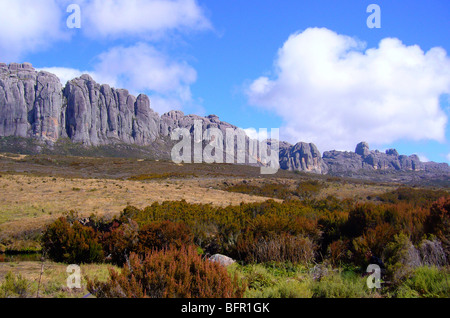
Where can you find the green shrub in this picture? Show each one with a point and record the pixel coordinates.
(258, 277)
(15, 286)
(427, 282)
(417, 197)
(276, 280)
(340, 285)
(401, 257)
(288, 288)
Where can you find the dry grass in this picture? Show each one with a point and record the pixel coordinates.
(28, 203)
(54, 277)
(34, 190)
(357, 192)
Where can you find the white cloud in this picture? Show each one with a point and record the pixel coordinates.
(28, 26)
(448, 158)
(65, 74)
(332, 91)
(423, 157)
(252, 133)
(141, 69)
(143, 18)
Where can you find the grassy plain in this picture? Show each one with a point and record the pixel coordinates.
(35, 190)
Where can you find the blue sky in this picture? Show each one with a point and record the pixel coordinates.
(311, 68)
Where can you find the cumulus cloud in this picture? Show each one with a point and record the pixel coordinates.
(423, 157)
(29, 26)
(141, 18)
(331, 90)
(260, 134)
(65, 74)
(141, 69)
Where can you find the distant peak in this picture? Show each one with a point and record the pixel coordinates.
(362, 149)
(17, 66)
(87, 77)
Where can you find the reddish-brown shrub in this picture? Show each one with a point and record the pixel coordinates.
(360, 218)
(159, 235)
(71, 243)
(338, 252)
(120, 241)
(265, 225)
(169, 273)
(377, 238)
(275, 248)
(438, 222)
(372, 242)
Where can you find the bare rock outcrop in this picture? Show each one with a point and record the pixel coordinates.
(365, 159)
(302, 157)
(36, 105)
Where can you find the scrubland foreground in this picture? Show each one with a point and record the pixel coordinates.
(149, 229)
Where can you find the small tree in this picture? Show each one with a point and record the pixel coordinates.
(71, 243)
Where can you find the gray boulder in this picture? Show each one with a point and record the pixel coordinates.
(222, 259)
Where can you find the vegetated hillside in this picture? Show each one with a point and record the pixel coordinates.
(407, 235)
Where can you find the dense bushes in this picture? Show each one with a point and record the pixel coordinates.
(255, 232)
(404, 235)
(438, 222)
(302, 190)
(275, 248)
(417, 197)
(15, 287)
(169, 273)
(69, 242)
(427, 282)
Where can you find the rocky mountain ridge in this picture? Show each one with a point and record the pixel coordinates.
(36, 105)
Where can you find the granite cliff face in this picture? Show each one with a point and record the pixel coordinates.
(301, 157)
(35, 105)
(30, 103)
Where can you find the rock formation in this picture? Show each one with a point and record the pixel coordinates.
(35, 105)
(365, 159)
(301, 157)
